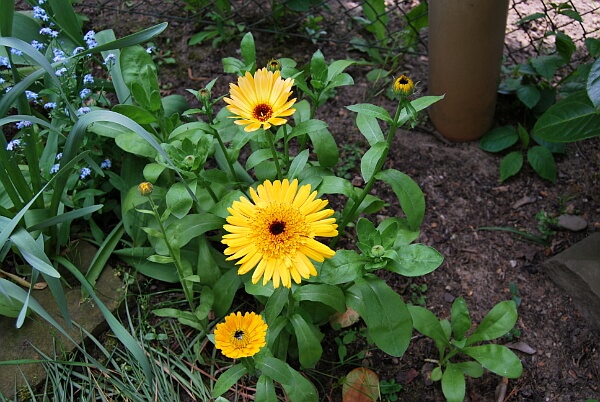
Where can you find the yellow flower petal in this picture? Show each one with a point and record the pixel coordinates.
(273, 235)
(241, 335)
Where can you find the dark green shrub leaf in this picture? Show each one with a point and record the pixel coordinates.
(572, 119)
(412, 200)
(511, 165)
(529, 95)
(593, 84)
(461, 321)
(309, 346)
(542, 161)
(228, 378)
(499, 139)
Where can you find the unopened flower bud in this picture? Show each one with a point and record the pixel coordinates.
(203, 95)
(274, 65)
(377, 251)
(404, 86)
(145, 188)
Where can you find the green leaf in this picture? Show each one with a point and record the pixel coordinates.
(179, 201)
(130, 142)
(369, 127)
(325, 147)
(190, 226)
(337, 67)
(224, 291)
(298, 164)
(257, 157)
(33, 252)
(135, 113)
(546, 66)
(461, 321)
(336, 185)
(529, 95)
(499, 321)
(371, 158)
(593, 84)
(228, 379)
(265, 389)
(523, 136)
(387, 317)
(453, 384)
(426, 323)
(276, 369)
(306, 127)
(309, 346)
(573, 118)
(496, 358)
(300, 389)
(510, 165)
(248, 49)
(275, 304)
(499, 139)
(418, 104)
(318, 70)
(472, 369)
(412, 200)
(345, 266)
(322, 293)
(565, 46)
(542, 161)
(371, 110)
(415, 260)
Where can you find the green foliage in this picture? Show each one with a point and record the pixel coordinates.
(560, 108)
(455, 337)
(390, 389)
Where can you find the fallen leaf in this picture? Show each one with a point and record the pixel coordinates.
(522, 347)
(361, 385)
(345, 319)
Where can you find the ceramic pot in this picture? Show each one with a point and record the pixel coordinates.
(466, 40)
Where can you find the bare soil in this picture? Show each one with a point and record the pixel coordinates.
(463, 194)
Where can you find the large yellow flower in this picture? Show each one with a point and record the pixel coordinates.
(261, 100)
(276, 234)
(241, 335)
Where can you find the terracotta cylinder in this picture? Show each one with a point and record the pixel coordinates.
(466, 39)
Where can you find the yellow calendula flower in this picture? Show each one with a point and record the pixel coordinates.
(261, 100)
(276, 232)
(404, 86)
(241, 335)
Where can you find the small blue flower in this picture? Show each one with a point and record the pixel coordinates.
(4, 62)
(61, 71)
(110, 58)
(16, 52)
(2, 81)
(22, 124)
(7, 89)
(150, 49)
(49, 105)
(85, 172)
(31, 95)
(54, 168)
(40, 2)
(40, 13)
(83, 110)
(77, 50)
(106, 164)
(85, 92)
(89, 38)
(37, 45)
(88, 79)
(47, 31)
(59, 156)
(12, 145)
(59, 55)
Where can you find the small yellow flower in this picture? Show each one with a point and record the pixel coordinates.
(261, 100)
(145, 188)
(241, 335)
(276, 232)
(404, 86)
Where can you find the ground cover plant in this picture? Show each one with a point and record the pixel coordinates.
(202, 180)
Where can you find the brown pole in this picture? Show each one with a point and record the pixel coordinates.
(466, 39)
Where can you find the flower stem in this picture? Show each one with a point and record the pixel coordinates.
(186, 290)
(269, 136)
(365, 191)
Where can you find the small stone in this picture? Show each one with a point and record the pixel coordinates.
(573, 223)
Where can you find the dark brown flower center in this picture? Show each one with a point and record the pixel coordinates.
(403, 81)
(239, 335)
(262, 112)
(277, 228)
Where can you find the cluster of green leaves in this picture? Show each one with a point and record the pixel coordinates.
(223, 29)
(560, 108)
(454, 338)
